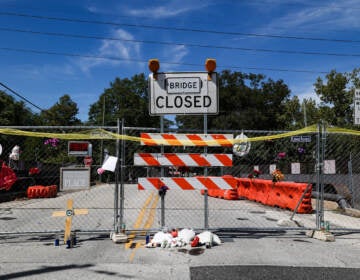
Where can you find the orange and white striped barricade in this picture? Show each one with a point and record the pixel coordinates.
(188, 183)
(201, 140)
(191, 160)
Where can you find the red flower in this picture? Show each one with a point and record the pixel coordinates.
(34, 170)
(281, 155)
(254, 174)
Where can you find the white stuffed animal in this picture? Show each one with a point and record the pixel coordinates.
(15, 153)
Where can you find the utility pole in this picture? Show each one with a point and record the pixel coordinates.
(304, 109)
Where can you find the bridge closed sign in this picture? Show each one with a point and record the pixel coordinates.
(189, 93)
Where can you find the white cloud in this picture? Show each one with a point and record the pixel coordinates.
(170, 9)
(151, 10)
(326, 15)
(44, 71)
(175, 55)
(112, 48)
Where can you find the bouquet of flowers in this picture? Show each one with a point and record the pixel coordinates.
(277, 175)
(255, 174)
(34, 171)
(53, 142)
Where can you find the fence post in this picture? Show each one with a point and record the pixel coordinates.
(122, 174)
(320, 156)
(350, 180)
(206, 200)
(162, 175)
(117, 223)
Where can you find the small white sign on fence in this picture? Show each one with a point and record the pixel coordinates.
(295, 168)
(75, 178)
(272, 168)
(329, 166)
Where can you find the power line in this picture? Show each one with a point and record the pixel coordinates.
(274, 36)
(174, 43)
(163, 62)
(20, 96)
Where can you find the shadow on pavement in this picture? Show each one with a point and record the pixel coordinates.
(257, 272)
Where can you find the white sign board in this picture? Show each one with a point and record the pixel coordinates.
(357, 107)
(110, 163)
(272, 168)
(189, 93)
(77, 178)
(329, 166)
(295, 168)
(301, 138)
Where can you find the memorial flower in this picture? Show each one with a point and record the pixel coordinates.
(255, 174)
(281, 155)
(34, 171)
(100, 171)
(53, 142)
(301, 150)
(277, 175)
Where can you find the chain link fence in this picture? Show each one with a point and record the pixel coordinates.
(113, 201)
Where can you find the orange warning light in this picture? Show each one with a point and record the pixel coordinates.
(210, 65)
(154, 65)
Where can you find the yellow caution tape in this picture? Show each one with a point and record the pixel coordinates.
(339, 130)
(101, 134)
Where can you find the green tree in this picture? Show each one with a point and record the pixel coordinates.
(246, 101)
(14, 112)
(336, 95)
(297, 115)
(292, 114)
(310, 112)
(125, 99)
(63, 113)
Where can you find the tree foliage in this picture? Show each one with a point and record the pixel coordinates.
(247, 101)
(125, 99)
(337, 95)
(14, 112)
(63, 113)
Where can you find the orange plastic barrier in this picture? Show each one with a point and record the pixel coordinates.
(42, 191)
(284, 195)
(52, 190)
(224, 194)
(244, 187)
(260, 189)
(288, 194)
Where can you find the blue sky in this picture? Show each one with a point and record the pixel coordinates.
(296, 41)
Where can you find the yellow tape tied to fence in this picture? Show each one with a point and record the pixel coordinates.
(106, 135)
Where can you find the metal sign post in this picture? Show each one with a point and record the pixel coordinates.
(206, 200)
(162, 175)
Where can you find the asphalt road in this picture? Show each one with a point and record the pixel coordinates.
(243, 255)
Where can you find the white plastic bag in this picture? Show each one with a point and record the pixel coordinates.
(207, 237)
(186, 235)
(160, 237)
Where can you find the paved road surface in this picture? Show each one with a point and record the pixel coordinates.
(250, 255)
